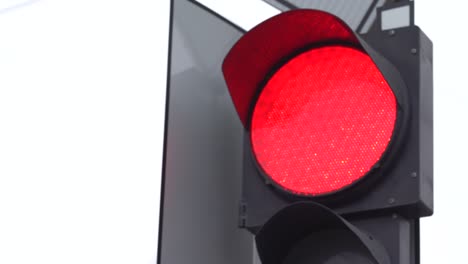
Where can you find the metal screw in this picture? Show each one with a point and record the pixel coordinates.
(391, 32)
(414, 174)
(414, 51)
(391, 200)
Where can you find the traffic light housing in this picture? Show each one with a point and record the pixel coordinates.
(372, 218)
(338, 136)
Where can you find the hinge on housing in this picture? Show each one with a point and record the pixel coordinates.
(242, 214)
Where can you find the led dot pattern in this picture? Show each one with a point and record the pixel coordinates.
(322, 121)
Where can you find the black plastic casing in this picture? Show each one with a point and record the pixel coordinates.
(403, 182)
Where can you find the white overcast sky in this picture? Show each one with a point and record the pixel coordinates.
(82, 93)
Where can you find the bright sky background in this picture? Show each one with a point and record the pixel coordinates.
(82, 93)
(82, 99)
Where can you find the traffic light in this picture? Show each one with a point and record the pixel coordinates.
(320, 129)
(337, 149)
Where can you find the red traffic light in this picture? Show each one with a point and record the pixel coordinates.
(320, 111)
(335, 157)
(333, 117)
(323, 120)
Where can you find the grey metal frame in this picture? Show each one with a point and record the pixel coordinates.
(203, 146)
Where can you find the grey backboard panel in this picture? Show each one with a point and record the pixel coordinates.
(360, 15)
(201, 177)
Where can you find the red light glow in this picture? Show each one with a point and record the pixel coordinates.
(323, 120)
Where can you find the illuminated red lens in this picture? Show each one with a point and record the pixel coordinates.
(323, 120)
